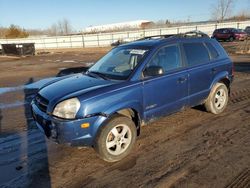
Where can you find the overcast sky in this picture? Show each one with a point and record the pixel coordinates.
(83, 13)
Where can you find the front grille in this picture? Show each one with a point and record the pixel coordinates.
(41, 103)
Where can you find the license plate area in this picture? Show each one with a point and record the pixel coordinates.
(42, 123)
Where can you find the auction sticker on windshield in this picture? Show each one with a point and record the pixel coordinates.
(137, 52)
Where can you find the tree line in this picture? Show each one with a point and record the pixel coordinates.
(62, 27)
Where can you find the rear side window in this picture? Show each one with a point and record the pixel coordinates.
(225, 31)
(213, 52)
(196, 53)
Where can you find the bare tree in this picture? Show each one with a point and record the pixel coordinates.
(222, 9)
(66, 26)
(62, 27)
(53, 30)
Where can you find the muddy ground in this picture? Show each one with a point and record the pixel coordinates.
(192, 148)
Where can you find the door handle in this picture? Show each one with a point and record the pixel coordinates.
(182, 79)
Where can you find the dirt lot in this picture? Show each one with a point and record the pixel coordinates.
(192, 148)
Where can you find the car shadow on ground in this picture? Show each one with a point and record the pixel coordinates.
(200, 108)
(43, 171)
(44, 164)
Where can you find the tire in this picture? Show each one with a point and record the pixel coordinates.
(217, 99)
(116, 139)
(231, 39)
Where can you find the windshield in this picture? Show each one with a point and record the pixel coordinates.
(241, 30)
(118, 63)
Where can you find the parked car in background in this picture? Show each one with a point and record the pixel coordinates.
(132, 85)
(247, 30)
(229, 34)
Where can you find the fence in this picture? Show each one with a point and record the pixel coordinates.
(106, 39)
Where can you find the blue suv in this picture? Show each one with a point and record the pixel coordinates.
(133, 84)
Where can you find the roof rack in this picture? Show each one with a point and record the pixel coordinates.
(190, 34)
(155, 37)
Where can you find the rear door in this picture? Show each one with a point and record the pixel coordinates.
(200, 71)
(223, 34)
(165, 93)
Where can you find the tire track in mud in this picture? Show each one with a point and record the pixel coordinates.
(241, 181)
(238, 96)
(202, 155)
(185, 164)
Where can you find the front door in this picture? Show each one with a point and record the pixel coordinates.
(167, 91)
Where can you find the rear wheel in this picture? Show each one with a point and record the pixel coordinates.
(231, 39)
(116, 139)
(217, 99)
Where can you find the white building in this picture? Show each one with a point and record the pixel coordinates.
(137, 24)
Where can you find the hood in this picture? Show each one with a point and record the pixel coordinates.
(79, 84)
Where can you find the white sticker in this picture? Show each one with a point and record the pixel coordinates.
(137, 52)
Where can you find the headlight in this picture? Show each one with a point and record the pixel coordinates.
(67, 109)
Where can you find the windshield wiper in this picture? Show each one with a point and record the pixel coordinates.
(99, 74)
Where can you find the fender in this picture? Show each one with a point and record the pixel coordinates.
(218, 77)
(135, 105)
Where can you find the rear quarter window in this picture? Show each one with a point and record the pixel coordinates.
(196, 53)
(213, 52)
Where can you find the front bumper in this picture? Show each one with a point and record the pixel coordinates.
(241, 38)
(67, 131)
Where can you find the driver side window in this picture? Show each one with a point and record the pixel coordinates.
(166, 59)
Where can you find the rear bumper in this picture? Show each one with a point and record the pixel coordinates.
(67, 131)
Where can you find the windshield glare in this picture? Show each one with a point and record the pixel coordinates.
(119, 63)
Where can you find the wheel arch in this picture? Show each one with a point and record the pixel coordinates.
(129, 112)
(222, 77)
(132, 114)
(227, 82)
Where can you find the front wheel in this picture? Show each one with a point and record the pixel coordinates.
(217, 99)
(116, 139)
(231, 39)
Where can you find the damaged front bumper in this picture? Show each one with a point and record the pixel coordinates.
(67, 131)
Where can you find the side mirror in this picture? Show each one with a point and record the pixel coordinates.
(153, 71)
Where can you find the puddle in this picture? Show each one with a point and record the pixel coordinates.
(89, 64)
(75, 61)
(12, 105)
(32, 87)
(35, 85)
(10, 89)
(69, 61)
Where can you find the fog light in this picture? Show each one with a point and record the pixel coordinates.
(85, 125)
